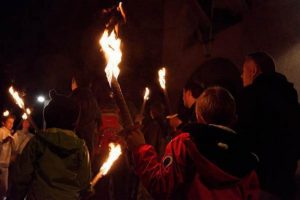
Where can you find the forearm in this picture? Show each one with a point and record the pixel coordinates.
(159, 179)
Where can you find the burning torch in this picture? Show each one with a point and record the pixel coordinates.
(162, 82)
(142, 110)
(111, 47)
(19, 101)
(114, 153)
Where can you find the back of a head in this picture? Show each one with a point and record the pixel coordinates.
(81, 77)
(61, 112)
(195, 87)
(263, 60)
(216, 106)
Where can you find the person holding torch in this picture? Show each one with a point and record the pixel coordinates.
(208, 161)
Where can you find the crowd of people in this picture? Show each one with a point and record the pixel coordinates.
(235, 137)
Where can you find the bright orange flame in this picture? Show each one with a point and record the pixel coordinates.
(19, 101)
(24, 116)
(162, 78)
(114, 153)
(147, 93)
(111, 46)
(6, 113)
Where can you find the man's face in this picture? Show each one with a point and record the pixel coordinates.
(25, 124)
(249, 72)
(9, 123)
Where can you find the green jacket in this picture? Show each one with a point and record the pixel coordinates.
(54, 165)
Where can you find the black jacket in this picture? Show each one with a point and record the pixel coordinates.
(268, 118)
(89, 116)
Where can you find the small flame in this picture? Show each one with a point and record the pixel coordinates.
(162, 78)
(28, 111)
(19, 101)
(114, 153)
(24, 116)
(147, 93)
(5, 113)
(111, 47)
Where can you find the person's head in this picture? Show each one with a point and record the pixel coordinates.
(61, 112)
(255, 64)
(25, 124)
(216, 106)
(8, 121)
(80, 79)
(191, 92)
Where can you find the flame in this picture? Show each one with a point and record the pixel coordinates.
(28, 111)
(111, 46)
(5, 113)
(19, 101)
(162, 78)
(114, 153)
(24, 116)
(147, 93)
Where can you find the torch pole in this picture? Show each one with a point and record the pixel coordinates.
(128, 122)
(96, 179)
(167, 100)
(120, 100)
(142, 110)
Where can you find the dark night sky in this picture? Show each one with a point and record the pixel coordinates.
(41, 42)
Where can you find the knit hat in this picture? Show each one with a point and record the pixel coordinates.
(61, 112)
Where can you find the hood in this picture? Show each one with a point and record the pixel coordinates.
(219, 155)
(60, 141)
(275, 85)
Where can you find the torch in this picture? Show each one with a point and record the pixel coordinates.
(114, 153)
(162, 82)
(142, 110)
(19, 101)
(111, 47)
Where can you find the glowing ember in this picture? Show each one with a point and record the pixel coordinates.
(111, 46)
(5, 113)
(162, 78)
(28, 111)
(24, 116)
(147, 93)
(19, 101)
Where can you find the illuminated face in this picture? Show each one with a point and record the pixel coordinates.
(9, 123)
(249, 72)
(25, 124)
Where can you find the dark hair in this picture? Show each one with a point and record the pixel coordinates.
(4, 118)
(195, 87)
(216, 106)
(263, 60)
(61, 112)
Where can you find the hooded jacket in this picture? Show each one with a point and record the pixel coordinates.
(207, 162)
(54, 165)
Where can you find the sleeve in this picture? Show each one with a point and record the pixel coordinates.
(23, 171)
(84, 173)
(162, 178)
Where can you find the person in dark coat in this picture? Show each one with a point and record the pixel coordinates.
(268, 118)
(207, 161)
(55, 163)
(90, 116)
